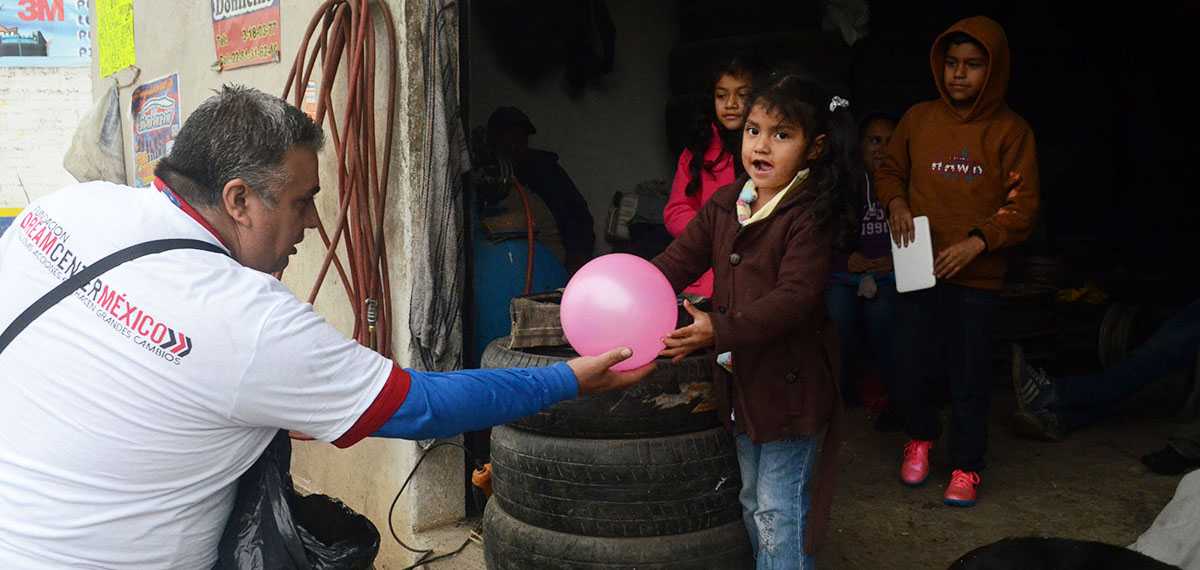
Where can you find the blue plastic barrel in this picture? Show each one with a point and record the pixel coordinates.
(500, 276)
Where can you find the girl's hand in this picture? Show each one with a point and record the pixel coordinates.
(900, 217)
(952, 259)
(684, 341)
(882, 265)
(858, 263)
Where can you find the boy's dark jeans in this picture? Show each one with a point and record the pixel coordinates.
(948, 328)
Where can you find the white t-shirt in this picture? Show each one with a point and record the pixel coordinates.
(129, 409)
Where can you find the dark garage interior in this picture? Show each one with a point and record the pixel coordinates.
(1107, 89)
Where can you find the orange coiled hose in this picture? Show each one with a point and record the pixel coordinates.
(347, 28)
(528, 236)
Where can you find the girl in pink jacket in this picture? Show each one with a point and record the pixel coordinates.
(710, 160)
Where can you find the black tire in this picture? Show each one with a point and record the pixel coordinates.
(1034, 553)
(617, 488)
(509, 544)
(676, 398)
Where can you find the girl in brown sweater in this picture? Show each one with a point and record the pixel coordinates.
(769, 238)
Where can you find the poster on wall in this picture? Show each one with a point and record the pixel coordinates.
(246, 32)
(45, 33)
(310, 100)
(114, 35)
(155, 112)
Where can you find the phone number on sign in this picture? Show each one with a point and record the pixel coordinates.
(260, 31)
(265, 51)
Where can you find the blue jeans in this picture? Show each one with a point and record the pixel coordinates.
(849, 313)
(1084, 400)
(952, 326)
(775, 496)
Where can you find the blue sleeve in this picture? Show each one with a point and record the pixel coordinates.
(442, 404)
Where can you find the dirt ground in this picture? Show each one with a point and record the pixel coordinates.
(1091, 486)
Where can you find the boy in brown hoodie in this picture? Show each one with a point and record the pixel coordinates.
(969, 163)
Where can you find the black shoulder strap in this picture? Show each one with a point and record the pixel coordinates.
(91, 272)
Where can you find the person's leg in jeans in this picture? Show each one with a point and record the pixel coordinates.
(969, 316)
(775, 498)
(916, 356)
(1084, 400)
(878, 314)
(845, 310)
(747, 455)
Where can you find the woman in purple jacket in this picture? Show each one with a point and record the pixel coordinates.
(863, 285)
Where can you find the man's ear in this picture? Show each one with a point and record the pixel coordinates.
(814, 149)
(235, 198)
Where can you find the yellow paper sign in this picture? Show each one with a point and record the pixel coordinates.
(114, 35)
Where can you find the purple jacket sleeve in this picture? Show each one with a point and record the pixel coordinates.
(442, 404)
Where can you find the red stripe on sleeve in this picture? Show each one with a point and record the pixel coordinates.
(189, 210)
(380, 411)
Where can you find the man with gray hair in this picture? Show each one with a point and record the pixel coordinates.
(135, 398)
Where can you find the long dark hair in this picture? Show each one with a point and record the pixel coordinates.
(831, 179)
(860, 164)
(702, 129)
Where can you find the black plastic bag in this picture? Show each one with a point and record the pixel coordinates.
(273, 528)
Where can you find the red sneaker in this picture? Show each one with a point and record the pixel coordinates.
(961, 490)
(915, 467)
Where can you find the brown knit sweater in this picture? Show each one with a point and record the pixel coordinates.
(953, 167)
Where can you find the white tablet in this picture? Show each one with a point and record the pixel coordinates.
(914, 262)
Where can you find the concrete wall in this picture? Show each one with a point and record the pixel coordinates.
(611, 137)
(39, 108)
(178, 37)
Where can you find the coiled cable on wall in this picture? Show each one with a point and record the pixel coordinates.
(347, 28)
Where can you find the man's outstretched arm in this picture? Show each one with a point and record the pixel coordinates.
(441, 404)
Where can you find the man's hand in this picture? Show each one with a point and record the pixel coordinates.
(954, 258)
(684, 341)
(858, 263)
(900, 218)
(594, 376)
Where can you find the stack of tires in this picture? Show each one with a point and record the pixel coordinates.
(643, 478)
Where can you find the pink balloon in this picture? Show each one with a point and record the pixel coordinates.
(618, 300)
